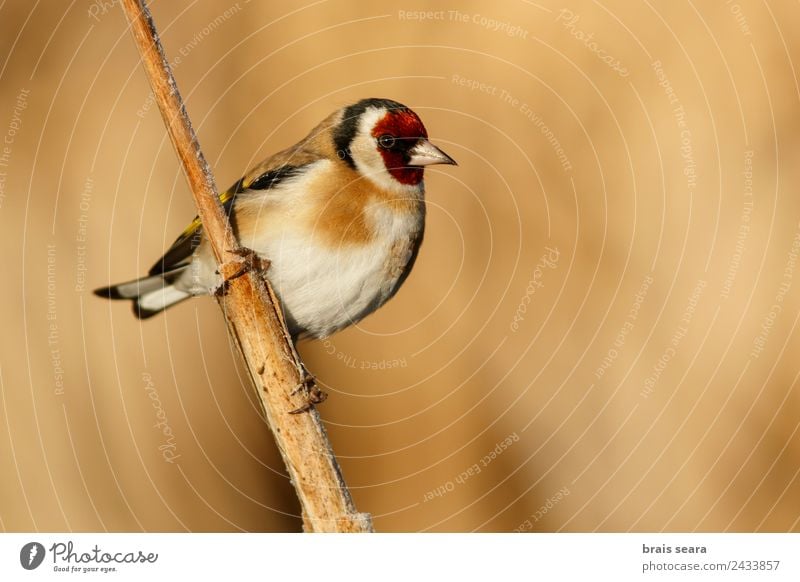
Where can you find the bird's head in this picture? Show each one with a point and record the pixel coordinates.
(386, 142)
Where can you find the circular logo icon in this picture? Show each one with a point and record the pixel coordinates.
(31, 555)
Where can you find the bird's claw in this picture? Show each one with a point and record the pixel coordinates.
(248, 260)
(313, 394)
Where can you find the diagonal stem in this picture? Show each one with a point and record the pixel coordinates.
(251, 309)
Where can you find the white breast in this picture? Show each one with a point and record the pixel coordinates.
(325, 289)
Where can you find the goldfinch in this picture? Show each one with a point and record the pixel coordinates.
(339, 217)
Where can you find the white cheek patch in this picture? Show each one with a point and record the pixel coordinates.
(364, 148)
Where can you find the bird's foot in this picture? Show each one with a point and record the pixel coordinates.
(246, 260)
(308, 386)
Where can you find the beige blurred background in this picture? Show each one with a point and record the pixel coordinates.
(600, 333)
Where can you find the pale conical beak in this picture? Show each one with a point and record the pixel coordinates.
(426, 154)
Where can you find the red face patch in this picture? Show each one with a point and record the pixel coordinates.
(406, 128)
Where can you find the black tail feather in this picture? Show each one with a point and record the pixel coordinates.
(142, 289)
(109, 293)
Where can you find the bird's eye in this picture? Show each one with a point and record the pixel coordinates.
(386, 141)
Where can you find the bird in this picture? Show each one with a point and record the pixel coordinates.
(338, 218)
